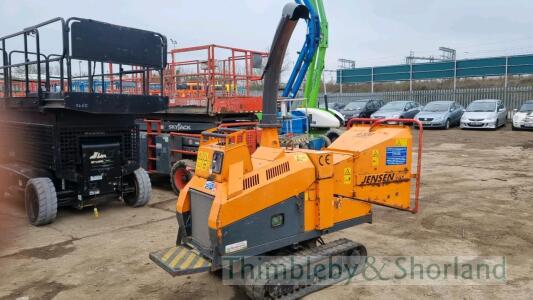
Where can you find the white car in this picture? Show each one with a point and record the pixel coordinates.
(523, 117)
(489, 113)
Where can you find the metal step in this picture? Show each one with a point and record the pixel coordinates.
(180, 260)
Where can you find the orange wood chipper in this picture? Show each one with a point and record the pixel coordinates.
(279, 202)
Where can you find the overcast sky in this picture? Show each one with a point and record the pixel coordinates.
(370, 32)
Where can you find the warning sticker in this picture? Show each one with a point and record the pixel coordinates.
(375, 158)
(300, 157)
(396, 156)
(347, 175)
(401, 142)
(202, 161)
(236, 246)
(209, 185)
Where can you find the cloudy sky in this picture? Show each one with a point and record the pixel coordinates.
(370, 32)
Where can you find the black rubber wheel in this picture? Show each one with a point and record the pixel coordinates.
(180, 174)
(447, 124)
(143, 189)
(40, 199)
(333, 134)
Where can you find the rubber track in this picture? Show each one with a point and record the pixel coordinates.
(257, 288)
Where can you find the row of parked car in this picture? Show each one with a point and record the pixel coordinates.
(485, 113)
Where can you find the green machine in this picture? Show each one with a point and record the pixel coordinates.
(316, 69)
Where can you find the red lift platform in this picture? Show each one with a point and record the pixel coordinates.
(208, 86)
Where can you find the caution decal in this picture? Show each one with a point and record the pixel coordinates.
(300, 157)
(202, 162)
(347, 176)
(401, 142)
(375, 158)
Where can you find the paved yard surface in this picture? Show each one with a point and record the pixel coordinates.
(477, 199)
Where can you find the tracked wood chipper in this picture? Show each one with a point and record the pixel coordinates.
(281, 201)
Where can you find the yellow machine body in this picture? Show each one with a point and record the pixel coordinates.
(242, 204)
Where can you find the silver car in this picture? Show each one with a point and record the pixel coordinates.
(489, 113)
(397, 110)
(523, 117)
(440, 114)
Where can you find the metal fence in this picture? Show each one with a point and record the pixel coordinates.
(512, 96)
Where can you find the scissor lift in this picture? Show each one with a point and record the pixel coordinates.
(67, 120)
(207, 86)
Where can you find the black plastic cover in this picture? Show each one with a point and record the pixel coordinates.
(98, 41)
(101, 166)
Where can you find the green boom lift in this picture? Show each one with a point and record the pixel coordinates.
(314, 75)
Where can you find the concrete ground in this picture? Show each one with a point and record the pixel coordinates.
(477, 198)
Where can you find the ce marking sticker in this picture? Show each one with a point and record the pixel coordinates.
(324, 159)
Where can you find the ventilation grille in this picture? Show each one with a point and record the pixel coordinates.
(250, 182)
(277, 170)
(29, 143)
(70, 139)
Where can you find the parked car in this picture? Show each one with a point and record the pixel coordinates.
(398, 110)
(488, 113)
(361, 108)
(441, 114)
(336, 105)
(523, 117)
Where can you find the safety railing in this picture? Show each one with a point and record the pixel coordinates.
(185, 135)
(216, 77)
(223, 136)
(104, 67)
(253, 133)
